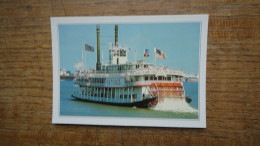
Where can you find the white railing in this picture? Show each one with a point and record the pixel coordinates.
(151, 81)
(137, 83)
(142, 71)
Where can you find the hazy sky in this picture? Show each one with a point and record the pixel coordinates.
(180, 42)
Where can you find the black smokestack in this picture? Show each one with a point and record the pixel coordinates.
(116, 35)
(98, 65)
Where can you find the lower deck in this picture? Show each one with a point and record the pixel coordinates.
(129, 94)
(111, 95)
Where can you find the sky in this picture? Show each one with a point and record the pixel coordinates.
(179, 41)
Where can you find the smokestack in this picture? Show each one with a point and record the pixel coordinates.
(98, 65)
(116, 35)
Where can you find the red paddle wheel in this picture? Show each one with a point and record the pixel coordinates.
(167, 90)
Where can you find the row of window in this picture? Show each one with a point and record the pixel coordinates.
(97, 80)
(124, 67)
(160, 78)
(106, 93)
(113, 96)
(130, 79)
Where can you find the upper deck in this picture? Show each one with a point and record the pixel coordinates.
(124, 71)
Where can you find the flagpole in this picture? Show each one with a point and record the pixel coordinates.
(102, 56)
(143, 55)
(154, 56)
(85, 60)
(82, 60)
(85, 66)
(135, 57)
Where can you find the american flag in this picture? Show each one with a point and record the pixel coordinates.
(89, 48)
(159, 54)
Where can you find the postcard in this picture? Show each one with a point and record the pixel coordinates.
(145, 71)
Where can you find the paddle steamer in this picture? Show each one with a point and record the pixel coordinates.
(119, 82)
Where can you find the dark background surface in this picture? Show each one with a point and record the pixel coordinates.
(233, 74)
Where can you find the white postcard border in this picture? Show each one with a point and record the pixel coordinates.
(118, 121)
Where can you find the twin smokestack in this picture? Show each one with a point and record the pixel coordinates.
(98, 65)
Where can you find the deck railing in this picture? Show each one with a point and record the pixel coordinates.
(136, 83)
(142, 71)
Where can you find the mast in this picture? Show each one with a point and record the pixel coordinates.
(154, 56)
(82, 61)
(98, 65)
(85, 66)
(102, 58)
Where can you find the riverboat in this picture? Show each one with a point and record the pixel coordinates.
(123, 83)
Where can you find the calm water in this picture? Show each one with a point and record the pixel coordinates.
(71, 107)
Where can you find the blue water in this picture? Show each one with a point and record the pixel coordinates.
(71, 107)
(191, 91)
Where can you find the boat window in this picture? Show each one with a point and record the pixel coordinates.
(168, 78)
(146, 78)
(159, 77)
(155, 78)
